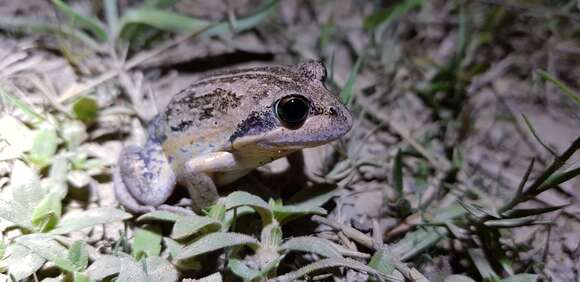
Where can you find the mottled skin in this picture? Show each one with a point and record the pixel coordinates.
(221, 127)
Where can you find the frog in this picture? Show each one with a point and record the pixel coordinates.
(224, 125)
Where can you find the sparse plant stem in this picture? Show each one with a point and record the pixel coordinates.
(539, 185)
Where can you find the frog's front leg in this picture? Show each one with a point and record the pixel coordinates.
(143, 178)
(196, 177)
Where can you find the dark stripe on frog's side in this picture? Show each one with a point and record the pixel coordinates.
(188, 108)
(254, 124)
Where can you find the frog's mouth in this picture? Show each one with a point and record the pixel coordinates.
(316, 131)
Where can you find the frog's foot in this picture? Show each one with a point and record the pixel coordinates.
(125, 198)
(143, 179)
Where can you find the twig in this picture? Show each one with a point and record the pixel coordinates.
(352, 233)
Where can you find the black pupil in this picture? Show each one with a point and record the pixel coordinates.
(293, 110)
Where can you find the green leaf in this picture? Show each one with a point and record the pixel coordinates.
(510, 222)
(78, 255)
(85, 109)
(240, 269)
(482, 264)
(311, 245)
(147, 242)
(216, 241)
(149, 269)
(44, 146)
(15, 138)
(175, 248)
(16, 213)
(26, 195)
(271, 266)
(346, 94)
(531, 212)
(74, 133)
(241, 198)
(328, 263)
(523, 277)
(561, 85)
(287, 213)
(80, 277)
(46, 214)
(48, 248)
(25, 186)
(20, 261)
(57, 177)
(478, 211)
(90, 23)
(271, 236)
(244, 23)
(383, 261)
(416, 242)
(162, 19)
(159, 269)
(387, 16)
(89, 218)
(191, 224)
(458, 278)
(160, 216)
(105, 266)
(131, 271)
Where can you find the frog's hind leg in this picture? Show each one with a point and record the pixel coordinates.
(144, 178)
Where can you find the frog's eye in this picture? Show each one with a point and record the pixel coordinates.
(292, 110)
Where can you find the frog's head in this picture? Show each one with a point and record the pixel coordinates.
(294, 111)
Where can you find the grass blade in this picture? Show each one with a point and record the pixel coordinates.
(244, 23)
(346, 94)
(529, 125)
(563, 87)
(558, 179)
(21, 105)
(398, 174)
(387, 16)
(160, 19)
(482, 264)
(28, 25)
(92, 24)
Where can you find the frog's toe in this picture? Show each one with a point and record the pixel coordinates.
(147, 174)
